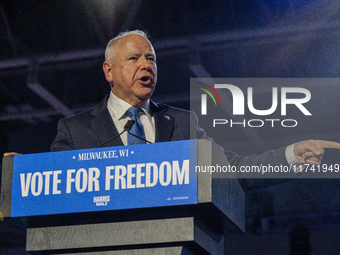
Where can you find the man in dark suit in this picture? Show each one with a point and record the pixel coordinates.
(130, 68)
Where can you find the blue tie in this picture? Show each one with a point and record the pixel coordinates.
(137, 128)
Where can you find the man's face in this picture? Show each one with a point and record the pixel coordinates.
(132, 69)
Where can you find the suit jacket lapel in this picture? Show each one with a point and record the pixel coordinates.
(164, 123)
(103, 126)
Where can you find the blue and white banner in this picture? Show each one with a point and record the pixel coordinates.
(110, 178)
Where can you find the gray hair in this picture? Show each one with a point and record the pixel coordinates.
(110, 46)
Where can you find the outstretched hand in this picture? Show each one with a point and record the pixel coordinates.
(312, 151)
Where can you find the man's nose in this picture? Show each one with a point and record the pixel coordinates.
(145, 63)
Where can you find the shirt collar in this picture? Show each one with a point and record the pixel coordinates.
(119, 106)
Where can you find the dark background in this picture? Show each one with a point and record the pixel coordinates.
(58, 46)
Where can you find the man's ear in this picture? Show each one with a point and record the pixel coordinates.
(107, 68)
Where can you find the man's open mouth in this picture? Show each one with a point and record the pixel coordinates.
(146, 78)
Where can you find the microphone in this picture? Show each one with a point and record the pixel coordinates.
(127, 127)
(138, 136)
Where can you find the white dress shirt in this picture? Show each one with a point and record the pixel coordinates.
(118, 107)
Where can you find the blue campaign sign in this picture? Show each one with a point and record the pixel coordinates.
(109, 178)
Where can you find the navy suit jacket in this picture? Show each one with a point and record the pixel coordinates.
(95, 126)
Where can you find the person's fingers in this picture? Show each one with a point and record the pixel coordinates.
(316, 159)
(307, 146)
(11, 154)
(310, 160)
(325, 144)
(308, 154)
(313, 161)
(314, 147)
(312, 151)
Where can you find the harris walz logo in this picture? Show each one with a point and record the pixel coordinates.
(221, 90)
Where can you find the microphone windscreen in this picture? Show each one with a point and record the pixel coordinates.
(129, 125)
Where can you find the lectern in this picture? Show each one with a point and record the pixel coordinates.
(140, 199)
